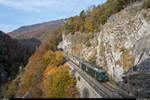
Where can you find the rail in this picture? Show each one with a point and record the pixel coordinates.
(104, 89)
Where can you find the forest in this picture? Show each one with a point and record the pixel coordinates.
(12, 56)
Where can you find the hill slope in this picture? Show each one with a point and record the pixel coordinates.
(12, 55)
(38, 31)
(118, 34)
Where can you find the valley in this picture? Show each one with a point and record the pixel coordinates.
(103, 52)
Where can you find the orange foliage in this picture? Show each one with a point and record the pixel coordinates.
(56, 81)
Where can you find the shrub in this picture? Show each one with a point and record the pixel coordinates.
(120, 5)
(147, 4)
(122, 49)
(12, 89)
(128, 60)
(90, 36)
(111, 80)
(93, 60)
(78, 78)
(88, 44)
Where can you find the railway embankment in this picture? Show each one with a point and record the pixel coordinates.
(92, 88)
(86, 90)
(122, 46)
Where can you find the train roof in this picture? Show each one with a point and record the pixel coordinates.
(76, 57)
(98, 69)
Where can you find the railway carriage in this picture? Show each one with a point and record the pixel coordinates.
(97, 72)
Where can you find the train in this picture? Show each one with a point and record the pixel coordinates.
(97, 72)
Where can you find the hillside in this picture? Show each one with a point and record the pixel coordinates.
(12, 56)
(114, 36)
(45, 68)
(121, 46)
(38, 31)
(117, 46)
(34, 35)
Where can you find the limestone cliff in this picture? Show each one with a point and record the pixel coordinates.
(122, 45)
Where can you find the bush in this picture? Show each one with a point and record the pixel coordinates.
(93, 60)
(90, 36)
(111, 80)
(78, 78)
(147, 4)
(127, 60)
(120, 5)
(88, 44)
(12, 89)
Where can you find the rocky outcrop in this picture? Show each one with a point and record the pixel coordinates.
(122, 45)
(124, 41)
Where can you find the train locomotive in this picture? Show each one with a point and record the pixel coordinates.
(97, 72)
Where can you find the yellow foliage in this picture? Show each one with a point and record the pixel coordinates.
(89, 25)
(122, 49)
(90, 36)
(55, 82)
(12, 89)
(47, 57)
(128, 60)
(93, 12)
(59, 57)
(53, 58)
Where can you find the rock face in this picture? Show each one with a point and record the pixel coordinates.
(124, 41)
(141, 51)
(122, 45)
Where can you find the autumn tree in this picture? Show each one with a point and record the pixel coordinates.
(56, 82)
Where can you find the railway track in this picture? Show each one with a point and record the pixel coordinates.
(107, 88)
(104, 88)
(99, 91)
(104, 84)
(122, 90)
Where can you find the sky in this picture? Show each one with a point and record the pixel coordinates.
(17, 13)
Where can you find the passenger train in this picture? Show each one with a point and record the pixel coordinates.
(97, 72)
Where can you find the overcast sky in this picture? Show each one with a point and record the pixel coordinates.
(17, 13)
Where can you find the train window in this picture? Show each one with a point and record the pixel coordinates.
(103, 73)
(83, 65)
(89, 69)
(99, 74)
